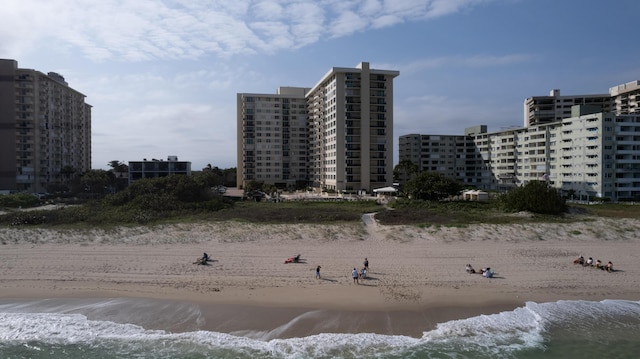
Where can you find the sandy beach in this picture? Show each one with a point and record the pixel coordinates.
(416, 280)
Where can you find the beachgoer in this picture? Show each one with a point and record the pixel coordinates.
(589, 262)
(366, 264)
(318, 272)
(487, 273)
(354, 274)
(609, 267)
(203, 259)
(599, 265)
(580, 260)
(363, 273)
(470, 269)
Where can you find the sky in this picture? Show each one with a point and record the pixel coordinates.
(163, 75)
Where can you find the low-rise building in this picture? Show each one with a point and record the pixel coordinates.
(158, 168)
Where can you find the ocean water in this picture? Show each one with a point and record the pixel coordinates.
(99, 329)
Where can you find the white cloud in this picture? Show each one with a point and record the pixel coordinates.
(385, 21)
(371, 7)
(461, 62)
(347, 23)
(189, 29)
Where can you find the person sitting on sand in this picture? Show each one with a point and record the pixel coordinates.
(202, 260)
(589, 262)
(470, 269)
(609, 267)
(599, 265)
(580, 260)
(487, 273)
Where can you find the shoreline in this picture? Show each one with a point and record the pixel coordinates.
(416, 278)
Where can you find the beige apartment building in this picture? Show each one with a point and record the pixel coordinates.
(539, 110)
(273, 138)
(45, 130)
(622, 99)
(340, 140)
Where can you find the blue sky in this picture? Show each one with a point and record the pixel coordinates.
(162, 75)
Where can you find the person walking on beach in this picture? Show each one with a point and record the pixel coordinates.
(354, 274)
(366, 264)
(318, 272)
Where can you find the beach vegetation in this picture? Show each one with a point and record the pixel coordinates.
(18, 200)
(181, 199)
(609, 210)
(431, 186)
(185, 198)
(535, 197)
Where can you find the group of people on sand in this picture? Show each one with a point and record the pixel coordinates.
(485, 272)
(597, 264)
(362, 274)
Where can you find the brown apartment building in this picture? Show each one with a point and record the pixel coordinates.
(45, 130)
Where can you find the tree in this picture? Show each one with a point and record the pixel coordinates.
(97, 181)
(121, 174)
(536, 197)
(404, 171)
(431, 186)
(118, 167)
(67, 172)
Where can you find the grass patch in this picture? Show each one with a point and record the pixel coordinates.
(609, 210)
(296, 212)
(99, 215)
(455, 214)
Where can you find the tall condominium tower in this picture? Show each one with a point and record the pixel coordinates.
(347, 126)
(272, 138)
(45, 130)
(351, 129)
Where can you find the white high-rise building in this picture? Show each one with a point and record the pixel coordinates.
(590, 154)
(343, 138)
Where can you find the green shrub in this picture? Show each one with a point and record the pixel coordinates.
(431, 186)
(17, 200)
(535, 197)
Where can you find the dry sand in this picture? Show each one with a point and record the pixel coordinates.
(417, 275)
